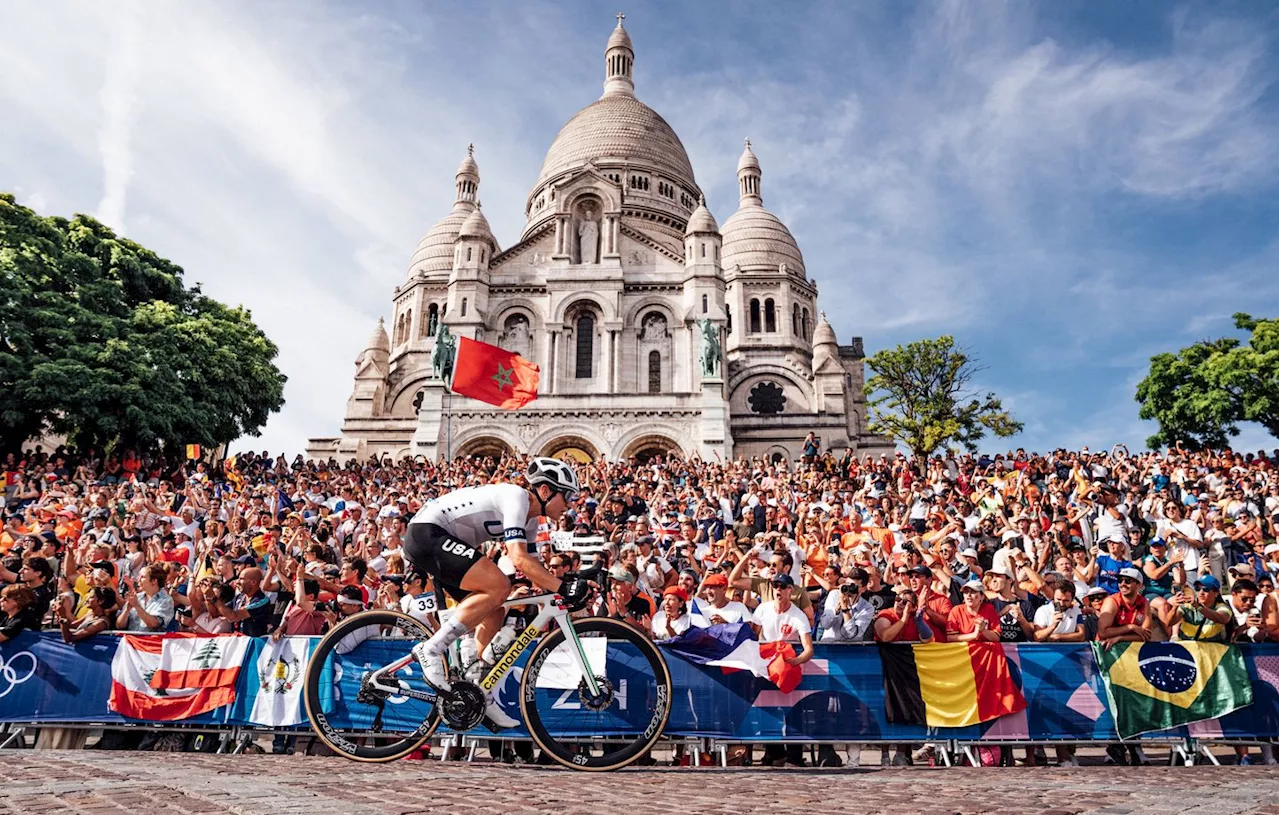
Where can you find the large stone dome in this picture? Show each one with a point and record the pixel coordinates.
(614, 129)
(435, 250)
(755, 240)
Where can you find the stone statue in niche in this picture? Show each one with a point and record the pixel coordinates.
(517, 336)
(654, 328)
(588, 235)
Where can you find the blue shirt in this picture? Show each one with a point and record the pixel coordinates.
(1109, 572)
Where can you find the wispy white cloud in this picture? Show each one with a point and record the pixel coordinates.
(119, 98)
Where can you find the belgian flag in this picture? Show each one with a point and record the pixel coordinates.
(948, 684)
(1159, 685)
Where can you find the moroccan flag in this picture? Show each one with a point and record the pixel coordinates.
(1158, 685)
(193, 451)
(490, 374)
(948, 684)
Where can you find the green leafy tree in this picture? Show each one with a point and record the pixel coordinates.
(100, 340)
(1199, 395)
(920, 395)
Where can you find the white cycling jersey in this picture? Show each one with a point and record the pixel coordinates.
(475, 515)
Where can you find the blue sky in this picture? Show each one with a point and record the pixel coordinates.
(1067, 188)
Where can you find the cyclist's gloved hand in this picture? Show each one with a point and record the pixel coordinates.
(575, 590)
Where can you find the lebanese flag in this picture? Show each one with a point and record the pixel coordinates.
(490, 374)
(172, 677)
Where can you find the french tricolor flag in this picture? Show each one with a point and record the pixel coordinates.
(734, 647)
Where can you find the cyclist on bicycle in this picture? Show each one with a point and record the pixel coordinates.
(446, 539)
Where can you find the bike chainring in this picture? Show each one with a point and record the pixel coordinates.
(600, 702)
(462, 707)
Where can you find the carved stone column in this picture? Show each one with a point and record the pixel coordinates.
(605, 375)
(552, 347)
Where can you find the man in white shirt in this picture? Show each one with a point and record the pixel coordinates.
(779, 620)
(717, 608)
(1059, 621)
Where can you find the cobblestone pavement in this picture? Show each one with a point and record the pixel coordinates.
(101, 782)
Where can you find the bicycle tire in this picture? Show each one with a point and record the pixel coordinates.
(337, 740)
(566, 754)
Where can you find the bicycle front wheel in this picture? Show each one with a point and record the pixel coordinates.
(606, 730)
(344, 713)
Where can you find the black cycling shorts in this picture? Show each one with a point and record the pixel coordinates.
(431, 549)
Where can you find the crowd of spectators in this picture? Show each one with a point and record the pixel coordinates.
(1070, 546)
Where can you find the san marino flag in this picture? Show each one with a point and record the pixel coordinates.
(272, 681)
(1158, 685)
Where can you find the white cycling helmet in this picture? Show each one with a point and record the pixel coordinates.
(555, 474)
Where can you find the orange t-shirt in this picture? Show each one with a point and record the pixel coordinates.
(963, 621)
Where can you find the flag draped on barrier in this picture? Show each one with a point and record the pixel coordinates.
(1158, 685)
(272, 692)
(733, 647)
(951, 684)
(176, 676)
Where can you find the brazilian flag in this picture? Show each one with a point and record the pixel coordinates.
(1159, 685)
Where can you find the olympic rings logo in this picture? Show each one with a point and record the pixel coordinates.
(12, 671)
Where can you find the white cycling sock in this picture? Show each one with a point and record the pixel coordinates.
(442, 639)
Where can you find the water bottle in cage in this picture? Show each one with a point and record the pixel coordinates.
(499, 644)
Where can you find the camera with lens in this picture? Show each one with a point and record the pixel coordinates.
(849, 588)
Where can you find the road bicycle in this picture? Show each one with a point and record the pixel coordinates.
(595, 694)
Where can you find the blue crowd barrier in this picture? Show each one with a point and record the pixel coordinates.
(840, 698)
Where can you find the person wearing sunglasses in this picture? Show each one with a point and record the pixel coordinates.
(1203, 615)
(1125, 616)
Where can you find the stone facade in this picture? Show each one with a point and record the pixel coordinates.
(655, 329)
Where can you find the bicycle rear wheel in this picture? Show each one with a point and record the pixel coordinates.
(607, 731)
(356, 723)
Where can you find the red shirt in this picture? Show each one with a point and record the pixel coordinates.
(1129, 615)
(941, 604)
(963, 621)
(297, 622)
(909, 633)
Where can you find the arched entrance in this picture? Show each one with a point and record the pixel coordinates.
(485, 447)
(571, 448)
(650, 446)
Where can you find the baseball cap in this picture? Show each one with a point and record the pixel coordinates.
(621, 574)
(968, 553)
(1095, 591)
(923, 571)
(105, 565)
(972, 585)
(1209, 582)
(1133, 574)
(1158, 542)
(782, 579)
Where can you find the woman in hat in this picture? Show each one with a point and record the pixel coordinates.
(673, 618)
